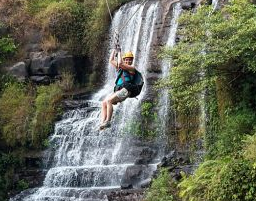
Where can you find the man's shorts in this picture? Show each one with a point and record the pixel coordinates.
(122, 94)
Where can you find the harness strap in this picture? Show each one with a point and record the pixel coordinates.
(123, 77)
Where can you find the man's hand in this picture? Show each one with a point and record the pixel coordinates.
(118, 49)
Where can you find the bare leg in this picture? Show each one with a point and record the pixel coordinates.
(104, 111)
(113, 99)
(109, 110)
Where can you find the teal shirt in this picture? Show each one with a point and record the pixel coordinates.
(127, 76)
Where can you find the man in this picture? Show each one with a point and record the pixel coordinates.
(125, 74)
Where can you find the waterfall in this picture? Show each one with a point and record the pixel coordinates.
(85, 163)
(215, 4)
(164, 101)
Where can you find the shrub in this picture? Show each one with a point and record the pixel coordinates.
(14, 16)
(5, 81)
(234, 130)
(249, 148)
(26, 119)
(98, 24)
(22, 185)
(49, 44)
(196, 187)
(8, 162)
(35, 6)
(221, 180)
(67, 82)
(215, 46)
(66, 22)
(146, 125)
(16, 111)
(7, 48)
(162, 188)
(47, 108)
(146, 109)
(236, 182)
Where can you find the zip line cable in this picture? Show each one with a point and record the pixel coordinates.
(125, 24)
(109, 11)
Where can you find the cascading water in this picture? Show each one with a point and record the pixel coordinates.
(84, 163)
(164, 101)
(215, 4)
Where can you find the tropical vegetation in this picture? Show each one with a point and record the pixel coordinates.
(215, 62)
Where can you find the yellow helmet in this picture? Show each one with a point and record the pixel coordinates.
(128, 55)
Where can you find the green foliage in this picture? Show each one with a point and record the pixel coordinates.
(221, 180)
(215, 44)
(22, 185)
(148, 111)
(5, 81)
(146, 125)
(212, 125)
(67, 81)
(16, 111)
(230, 137)
(66, 21)
(7, 48)
(137, 128)
(146, 108)
(249, 148)
(47, 108)
(81, 26)
(26, 119)
(162, 188)
(196, 187)
(46, 143)
(35, 6)
(7, 164)
(216, 57)
(99, 23)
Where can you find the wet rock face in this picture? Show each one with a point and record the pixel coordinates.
(19, 70)
(126, 195)
(51, 65)
(176, 162)
(146, 155)
(3, 30)
(63, 63)
(31, 172)
(23, 194)
(188, 5)
(41, 68)
(131, 176)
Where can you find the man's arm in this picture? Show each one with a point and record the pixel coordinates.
(126, 67)
(112, 59)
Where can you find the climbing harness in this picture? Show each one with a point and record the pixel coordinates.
(134, 85)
